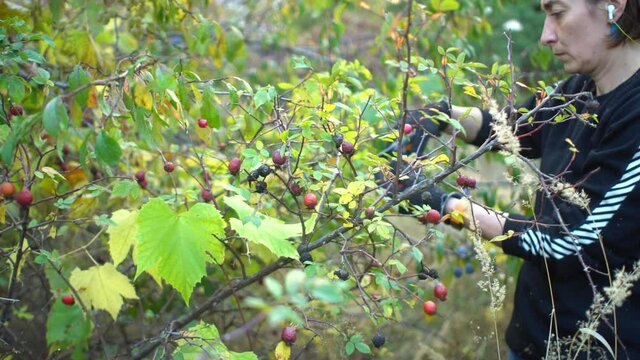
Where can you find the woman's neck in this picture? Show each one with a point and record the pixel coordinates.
(621, 65)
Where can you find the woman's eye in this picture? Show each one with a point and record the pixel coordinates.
(557, 14)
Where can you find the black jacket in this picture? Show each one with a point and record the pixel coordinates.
(607, 168)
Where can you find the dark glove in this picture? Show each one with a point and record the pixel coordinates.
(434, 196)
(424, 128)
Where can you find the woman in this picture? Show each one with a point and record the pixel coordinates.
(574, 243)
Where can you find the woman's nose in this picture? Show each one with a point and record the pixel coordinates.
(548, 35)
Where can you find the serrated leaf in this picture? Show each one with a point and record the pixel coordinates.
(107, 149)
(102, 287)
(272, 233)
(122, 234)
(55, 116)
(179, 245)
(283, 351)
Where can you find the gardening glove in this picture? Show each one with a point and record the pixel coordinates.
(424, 127)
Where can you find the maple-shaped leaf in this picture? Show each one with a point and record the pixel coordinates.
(178, 246)
(205, 338)
(122, 234)
(271, 232)
(102, 287)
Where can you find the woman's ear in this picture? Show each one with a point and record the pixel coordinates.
(615, 9)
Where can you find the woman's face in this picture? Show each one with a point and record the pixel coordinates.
(576, 31)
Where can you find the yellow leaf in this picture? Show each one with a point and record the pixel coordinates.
(440, 158)
(356, 187)
(502, 237)
(122, 234)
(141, 95)
(283, 351)
(2, 214)
(102, 287)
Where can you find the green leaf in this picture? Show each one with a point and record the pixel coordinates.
(126, 188)
(199, 339)
(264, 96)
(108, 149)
(55, 116)
(327, 291)
(77, 78)
(274, 287)
(67, 326)
(349, 348)
(363, 348)
(210, 109)
(15, 87)
(178, 246)
(271, 232)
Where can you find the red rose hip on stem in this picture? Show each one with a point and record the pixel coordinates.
(429, 307)
(440, 291)
(310, 200)
(461, 181)
(347, 148)
(140, 176)
(408, 128)
(471, 183)
(7, 189)
(433, 216)
(369, 213)
(206, 195)
(234, 166)
(296, 189)
(278, 159)
(68, 300)
(203, 123)
(289, 335)
(24, 197)
(169, 167)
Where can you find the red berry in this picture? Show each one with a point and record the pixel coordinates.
(429, 307)
(143, 184)
(461, 181)
(7, 189)
(24, 197)
(278, 159)
(234, 166)
(347, 148)
(369, 213)
(140, 176)
(289, 335)
(432, 216)
(408, 128)
(16, 110)
(296, 189)
(310, 200)
(440, 291)
(203, 123)
(206, 195)
(168, 167)
(471, 183)
(68, 300)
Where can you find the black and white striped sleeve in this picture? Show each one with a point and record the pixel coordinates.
(611, 223)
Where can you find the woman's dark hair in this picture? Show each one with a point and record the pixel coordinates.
(629, 22)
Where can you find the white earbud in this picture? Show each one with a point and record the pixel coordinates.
(611, 10)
